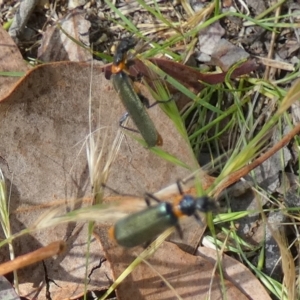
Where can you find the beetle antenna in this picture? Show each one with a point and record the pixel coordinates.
(198, 219)
(179, 185)
(149, 196)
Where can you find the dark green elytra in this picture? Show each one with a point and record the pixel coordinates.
(147, 224)
(143, 226)
(136, 109)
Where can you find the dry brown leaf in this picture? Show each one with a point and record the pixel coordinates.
(57, 46)
(44, 124)
(192, 277)
(189, 77)
(11, 60)
(226, 54)
(239, 275)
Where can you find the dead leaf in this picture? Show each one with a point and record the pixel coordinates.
(57, 46)
(225, 55)
(191, 277)
(44, 125)
(187, 76)
(209, 38)
(7, 291)
(11, 60)
(239, 275)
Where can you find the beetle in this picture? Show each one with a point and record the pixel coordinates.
(140, 227)
(134, 103)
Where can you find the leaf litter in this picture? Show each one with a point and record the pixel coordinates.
(57, 46)
(62, 127)
(48, 165)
